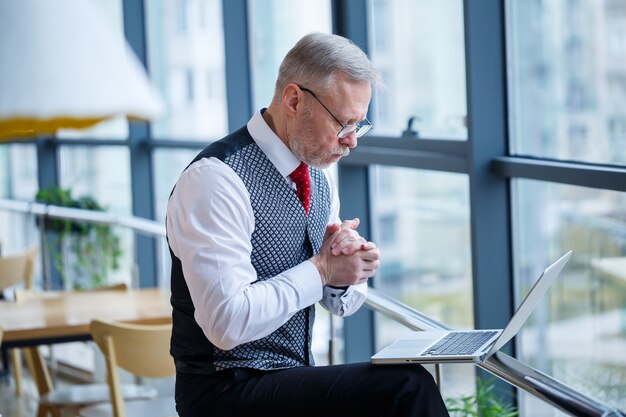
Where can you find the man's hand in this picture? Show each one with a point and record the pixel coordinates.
(345, 270)
(347, 241)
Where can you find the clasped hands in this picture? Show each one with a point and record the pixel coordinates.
(346, 258)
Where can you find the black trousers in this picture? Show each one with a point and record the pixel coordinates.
(359, 389)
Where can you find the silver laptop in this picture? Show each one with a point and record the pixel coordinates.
(467, 345)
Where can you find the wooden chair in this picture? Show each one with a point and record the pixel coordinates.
(53, 400)
(16, 269)
(142, 350)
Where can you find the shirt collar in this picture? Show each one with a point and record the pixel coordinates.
(276, 151)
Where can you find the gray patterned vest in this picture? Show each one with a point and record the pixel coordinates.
(283, 238)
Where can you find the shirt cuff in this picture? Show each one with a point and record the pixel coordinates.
(308, 282)
(344, 302)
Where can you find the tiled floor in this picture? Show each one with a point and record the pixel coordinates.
(26, 404)
(14, 406)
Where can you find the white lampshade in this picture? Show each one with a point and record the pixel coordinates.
(62, 65)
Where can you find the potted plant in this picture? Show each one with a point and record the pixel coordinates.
(484, 403)
(84, 253)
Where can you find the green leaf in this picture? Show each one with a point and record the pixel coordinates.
(485, 402)
(82, 250)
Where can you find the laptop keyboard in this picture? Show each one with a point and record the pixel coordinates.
(460, 343)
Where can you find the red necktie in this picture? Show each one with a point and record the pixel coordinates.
(300, 176)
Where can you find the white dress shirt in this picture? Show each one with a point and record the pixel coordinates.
(209, 227)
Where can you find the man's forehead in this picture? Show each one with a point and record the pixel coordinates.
(351, 100)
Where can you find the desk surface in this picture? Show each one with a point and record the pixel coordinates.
(65, 316)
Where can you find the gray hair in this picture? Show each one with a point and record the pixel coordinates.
(317, 58)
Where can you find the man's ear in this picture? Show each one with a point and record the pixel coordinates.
(292, 97)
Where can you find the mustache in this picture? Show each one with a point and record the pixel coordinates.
(343, 151)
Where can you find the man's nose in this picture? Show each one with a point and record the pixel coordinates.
(350, 141)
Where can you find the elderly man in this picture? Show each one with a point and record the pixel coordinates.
(256, 241)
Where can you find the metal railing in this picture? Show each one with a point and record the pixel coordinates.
(501, 365)
(44, 211)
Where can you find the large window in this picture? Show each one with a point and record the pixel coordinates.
(421, 224)
(186, 61)
(568, 79)
(567, 90)
(18, 181)
(18, 171)
(578, 335)
(168, 165)
(418, 47)
(88, 171)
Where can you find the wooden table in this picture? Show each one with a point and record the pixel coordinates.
(58, 317)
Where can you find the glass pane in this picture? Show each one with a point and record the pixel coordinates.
(578, 335)
(18, 172)
(421, 224)
(18, 181)
(186, 62)
(88, 171)
(419, 48)
(567, 72)
(168, 164)
(273, 32)
(117, 127)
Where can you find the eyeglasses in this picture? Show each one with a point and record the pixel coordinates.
(360, 128)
